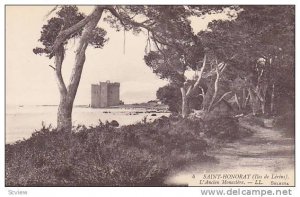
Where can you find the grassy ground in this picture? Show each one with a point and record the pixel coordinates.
(136, 155)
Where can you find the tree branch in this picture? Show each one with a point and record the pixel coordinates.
(225, 94)
(155, 42)
(202, 90)
(115, 14)
(216, 89)
(63, 35)
(199, 77)
(137, 24)
(80, 54)
(52, 67)
(237, 101)
(188, 92)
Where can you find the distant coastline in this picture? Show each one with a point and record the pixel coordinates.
(125, 106)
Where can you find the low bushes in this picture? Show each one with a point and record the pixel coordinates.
(136, 155)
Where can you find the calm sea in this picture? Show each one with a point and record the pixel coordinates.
(22, 121)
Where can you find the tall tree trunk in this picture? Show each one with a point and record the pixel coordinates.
(67, 95)
(272, 98)
(245, 101)
(215, 90)
(185, 105)
(243, 98)
(252, 100)
(264, 95)
(64, 114)
(237, 101)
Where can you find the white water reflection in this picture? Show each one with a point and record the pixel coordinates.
(21, 121)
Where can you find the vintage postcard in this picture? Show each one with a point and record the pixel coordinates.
(150, 95)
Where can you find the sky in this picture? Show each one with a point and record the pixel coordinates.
(30, 81)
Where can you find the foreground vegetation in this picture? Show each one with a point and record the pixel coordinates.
(136, 155)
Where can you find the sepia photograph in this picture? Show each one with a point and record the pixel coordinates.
(149, 95)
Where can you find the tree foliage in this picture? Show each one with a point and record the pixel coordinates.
(66, 17)
(179, 51)
(171, 96)
(262, 39)
(258, 32)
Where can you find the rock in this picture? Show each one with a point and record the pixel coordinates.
(114, 123)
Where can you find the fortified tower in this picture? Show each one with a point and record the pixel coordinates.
(105, 94)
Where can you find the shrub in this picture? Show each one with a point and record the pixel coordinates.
(135, 155)
(104, 155)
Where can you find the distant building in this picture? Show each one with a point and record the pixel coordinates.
(105, 94)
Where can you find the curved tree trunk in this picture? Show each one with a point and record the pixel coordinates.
(215, 90)
(186, 92)
(67, 95)
(185, 105)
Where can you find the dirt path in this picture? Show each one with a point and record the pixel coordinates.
(267, 153)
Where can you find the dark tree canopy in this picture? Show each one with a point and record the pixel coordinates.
(171, 63)
(66, 17)
(181, 50)
(177, 49)
(258, 32)
(260, 38)
(170, 95)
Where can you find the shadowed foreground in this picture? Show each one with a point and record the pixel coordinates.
(134, 155)
(267, 151)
